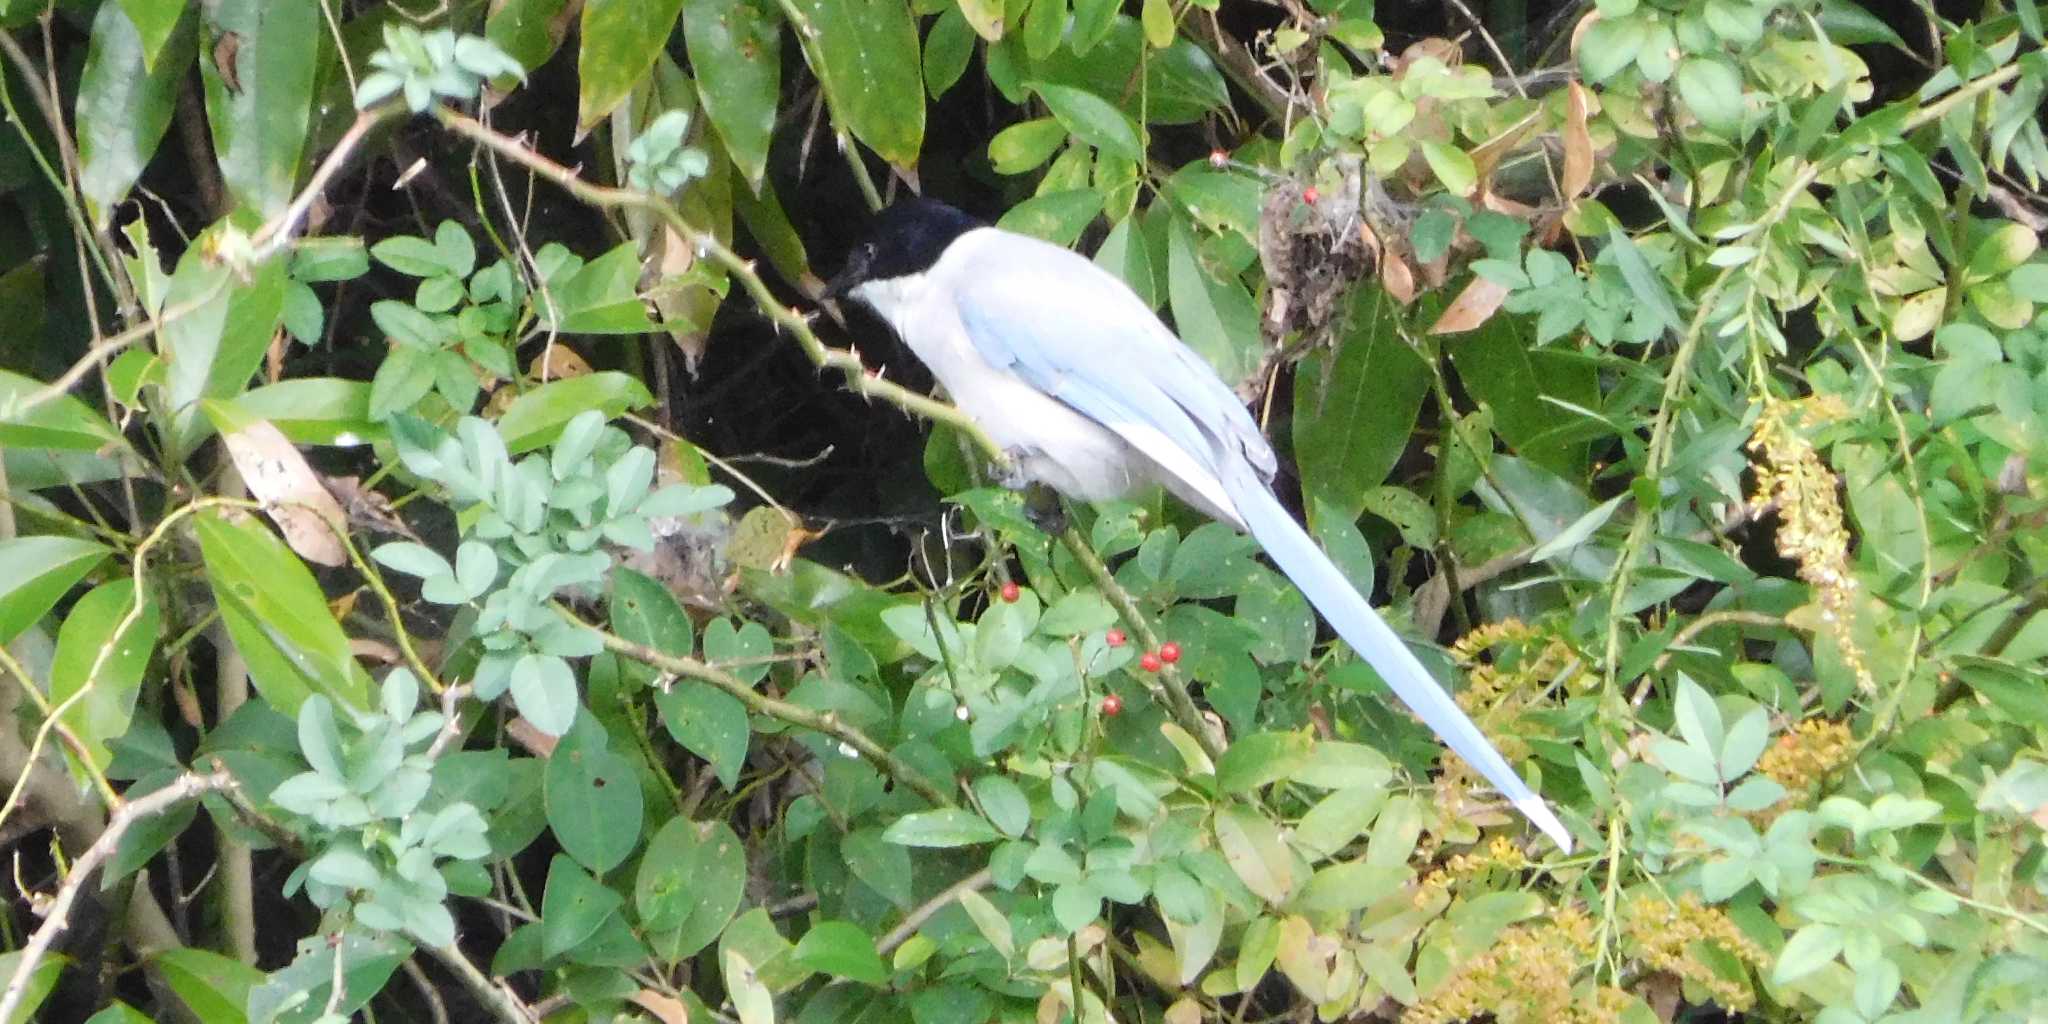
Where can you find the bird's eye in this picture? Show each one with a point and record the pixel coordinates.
(867, 250)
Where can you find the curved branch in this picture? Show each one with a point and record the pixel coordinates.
(847, 362)
(826, 723)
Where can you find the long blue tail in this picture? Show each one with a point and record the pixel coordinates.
(1353, 618)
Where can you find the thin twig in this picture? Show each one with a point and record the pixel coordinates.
(181, 789)
(916, 918)
(498, 998)
(847, 362)
(827, 723)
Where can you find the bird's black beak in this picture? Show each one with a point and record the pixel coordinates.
(850, 276)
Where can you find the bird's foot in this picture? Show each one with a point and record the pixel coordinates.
(1011, 475)
(1043, 507)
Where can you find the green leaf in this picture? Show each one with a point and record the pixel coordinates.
(620, 40)
(2005, 248)
(1698, 718)
(601, 297)
(37, 986)
(1648, 286)
(156, 21)
(1252, 846)
(1044, 27)
(1497, 364)
(88, 639)
(313, 410)
(754, 937)
(865, 55)
(1451, 166)
(215, 988)
(1332, 824)
(946, 827)
(689, 884)
(125, 99)
(529, 31)
(212, 351)
(709, 723)
(1025, 145)
(35, 573)
(1261, 759)
(1004, 803)
(593, 798)
(260, 107)
(1343, 888)
(1056, 217)
(883, 865)
(984, 16)
(544, 690)
(736, 50)
(62, 422)
(1216, 318)
(1712, 90)
(537, 417)
(1091, 119)
(947, 49)
(278, 617)
(573, 907)
(1355, 405)
(842, 949)
(1809, 949)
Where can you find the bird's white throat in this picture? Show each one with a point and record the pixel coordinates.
(891, 297)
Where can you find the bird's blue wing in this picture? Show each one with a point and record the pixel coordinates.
(1099, 349)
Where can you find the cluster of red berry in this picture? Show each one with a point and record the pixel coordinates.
(1151, 661)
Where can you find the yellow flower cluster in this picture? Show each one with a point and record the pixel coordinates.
(1544, 655)
(1807, 755)
(1499, 853)
(1526, 976)
(1811, 530)
(1510, 681)
(1661, 934)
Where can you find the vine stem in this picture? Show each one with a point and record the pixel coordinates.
(826, 723)
(184, 787)
(141, 558)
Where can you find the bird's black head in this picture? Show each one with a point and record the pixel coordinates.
(905, 239)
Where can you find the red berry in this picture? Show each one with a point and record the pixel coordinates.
(1219, 159)
(1150, 662)
(1309, 195)
(1011, 592)
(1169, 652)
(1115, 638)
(1112, 704)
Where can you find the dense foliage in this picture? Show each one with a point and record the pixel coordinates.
(414, 455)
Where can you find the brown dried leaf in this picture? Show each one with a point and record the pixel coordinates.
(278, 476)
(556, 362)
(1579, 30)
(1395, 276)
(1578, 143)
(665, 1008)
(1475, 305)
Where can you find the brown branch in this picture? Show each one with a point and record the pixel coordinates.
(497, 996)
(916, 918)
(181, 789)
(847, 362)
(827, 723)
